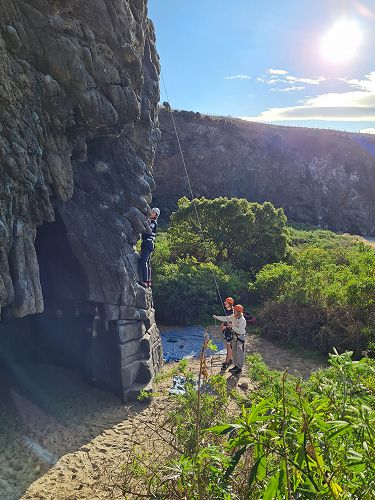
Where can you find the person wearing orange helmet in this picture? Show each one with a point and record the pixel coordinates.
(238, 343)
(226, 328)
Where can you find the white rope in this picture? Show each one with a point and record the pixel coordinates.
(190, 186)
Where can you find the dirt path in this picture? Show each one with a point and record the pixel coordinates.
(94, 471)
(83, 435)
(278, 358)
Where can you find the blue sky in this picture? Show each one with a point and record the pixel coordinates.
(263, 60)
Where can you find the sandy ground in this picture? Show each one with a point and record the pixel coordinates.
(278, 358)
(55, 427)
(47, 412)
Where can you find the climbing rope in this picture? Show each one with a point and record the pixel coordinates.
(190, 190)
(193, 199)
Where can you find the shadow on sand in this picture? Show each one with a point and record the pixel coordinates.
(45, 412)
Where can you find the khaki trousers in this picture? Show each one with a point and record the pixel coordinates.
(238, 350)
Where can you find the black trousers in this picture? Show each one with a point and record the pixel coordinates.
(145, 262)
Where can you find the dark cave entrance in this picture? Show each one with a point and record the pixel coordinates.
(63, 334)
(76, 331)
(47, 408)
(64, 330)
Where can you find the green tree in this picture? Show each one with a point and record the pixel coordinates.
(268, 240)
(249, 235)
(185, 291)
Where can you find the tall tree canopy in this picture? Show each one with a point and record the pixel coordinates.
(249, 235)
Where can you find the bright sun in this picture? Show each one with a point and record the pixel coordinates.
(341, 42)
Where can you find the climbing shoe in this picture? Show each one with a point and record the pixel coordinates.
(234, 369)
(224, 366)
(237, 371)
(230, 362)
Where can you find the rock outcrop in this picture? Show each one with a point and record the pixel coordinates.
(321, 177)
(78, 96)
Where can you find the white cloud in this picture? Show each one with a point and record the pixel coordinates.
(314, 113)
(288, 89)
(344, 99)
(311, 81)
(281, 76)
(272, 71)
(334, 106)
(238, 77)
(367, 131)
(367, 83)
(273, 81)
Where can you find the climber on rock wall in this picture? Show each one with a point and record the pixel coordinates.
(147, 247)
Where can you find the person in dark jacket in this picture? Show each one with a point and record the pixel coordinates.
(147, 247)
(228, 332)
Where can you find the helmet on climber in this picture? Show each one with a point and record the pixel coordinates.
(228, 306)
(238, 309)
(155, 212)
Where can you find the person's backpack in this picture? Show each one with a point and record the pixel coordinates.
(250, 320)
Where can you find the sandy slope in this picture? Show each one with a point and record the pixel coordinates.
(46, 412)
(53, 416)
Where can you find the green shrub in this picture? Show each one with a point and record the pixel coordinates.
(315, 327)
(248, 235)
(306, 235)
(185, 291)
(213, 404)
(291, 439)
(308, 440)
(323, 297)
(162, 252)
(271, 280)
(317, 292)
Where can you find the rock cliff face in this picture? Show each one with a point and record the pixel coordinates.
(318, 176)
(78, 96)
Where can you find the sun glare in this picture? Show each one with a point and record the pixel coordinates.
(341, 42)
